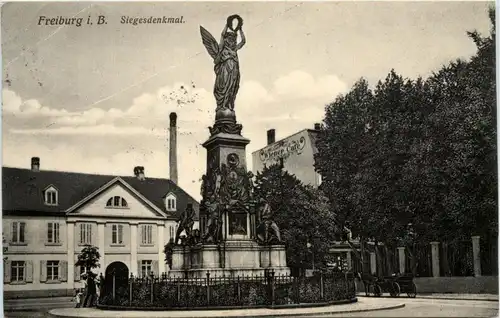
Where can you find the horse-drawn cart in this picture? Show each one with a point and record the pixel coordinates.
(407, 285)
(394, 285)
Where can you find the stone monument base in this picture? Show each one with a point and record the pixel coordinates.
(231, 258)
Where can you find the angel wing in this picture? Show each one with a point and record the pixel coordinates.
(209, 42)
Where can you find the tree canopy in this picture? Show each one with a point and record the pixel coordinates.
(89, 257)
(301, 212)
(416, 156)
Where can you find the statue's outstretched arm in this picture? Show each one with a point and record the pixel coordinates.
(243, 40)
(221, 42)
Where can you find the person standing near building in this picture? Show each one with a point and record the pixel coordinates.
(83, 288)
(91, 291)
(78, 297)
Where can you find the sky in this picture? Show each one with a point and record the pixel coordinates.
(96, 98)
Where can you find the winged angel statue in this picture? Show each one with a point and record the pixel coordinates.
(224, 53)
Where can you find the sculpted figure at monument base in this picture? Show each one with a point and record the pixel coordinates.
(268, 231)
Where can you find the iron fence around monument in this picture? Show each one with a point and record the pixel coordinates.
(163, 292)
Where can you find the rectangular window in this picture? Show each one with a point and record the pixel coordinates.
(52, 270)
(85, 233)
(51, 197)
(171, 229)
(146, 268)
(18, 234)
(17, 271)
(170, 204)
(117, 234)
(147, 234)
(53, 232)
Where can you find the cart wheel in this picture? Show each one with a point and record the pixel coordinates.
(377, 290)
(396, 290)
(412, 293)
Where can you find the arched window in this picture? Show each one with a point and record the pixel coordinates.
(116, 202)
(171, 202)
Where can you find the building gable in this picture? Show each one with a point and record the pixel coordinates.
(116, 199)
(23, 192)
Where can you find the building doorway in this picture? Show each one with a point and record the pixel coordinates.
(119, 271)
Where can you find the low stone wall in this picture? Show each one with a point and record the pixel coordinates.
(43, 293)
(456, 285)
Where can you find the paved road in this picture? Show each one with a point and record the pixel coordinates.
(35, 308)
(423, 307)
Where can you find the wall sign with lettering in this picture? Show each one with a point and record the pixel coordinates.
(283, 149)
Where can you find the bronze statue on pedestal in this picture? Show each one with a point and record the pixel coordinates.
(213, 227)
(268, 231)
(227, 69)
(227, 73)
(186, 222)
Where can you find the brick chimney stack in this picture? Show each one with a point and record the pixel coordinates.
(139, 173)
(35, 164)
(317, 126)
(271, 136)
(173, 148)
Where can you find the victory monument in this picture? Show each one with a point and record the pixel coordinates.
(237, 235)
(236, 259)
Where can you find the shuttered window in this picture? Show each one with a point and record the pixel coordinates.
(117, 234)
(53, 233)
(18, 232)
(85, 233)
(17, 271)
(147, 234)
(171, 231)
(52, 270)
(146, 268)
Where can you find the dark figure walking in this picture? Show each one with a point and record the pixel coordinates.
(91, 292)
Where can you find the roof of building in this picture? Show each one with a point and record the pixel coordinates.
(22, 189)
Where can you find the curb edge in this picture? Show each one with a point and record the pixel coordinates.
(389, 307)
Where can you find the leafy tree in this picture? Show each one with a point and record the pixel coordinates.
(89, 258)
(301, 212)
(415, 160)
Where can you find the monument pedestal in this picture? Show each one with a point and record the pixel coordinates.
(229, 259)
(229, 249)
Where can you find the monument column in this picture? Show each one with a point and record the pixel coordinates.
(402, 260)
(435, 258)
(476, 255)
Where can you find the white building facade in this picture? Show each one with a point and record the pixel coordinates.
(49, 216)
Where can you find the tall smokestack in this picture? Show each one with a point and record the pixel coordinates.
(173, 148)
(271, 136)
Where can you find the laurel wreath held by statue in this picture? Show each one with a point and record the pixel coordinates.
(230, 20)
